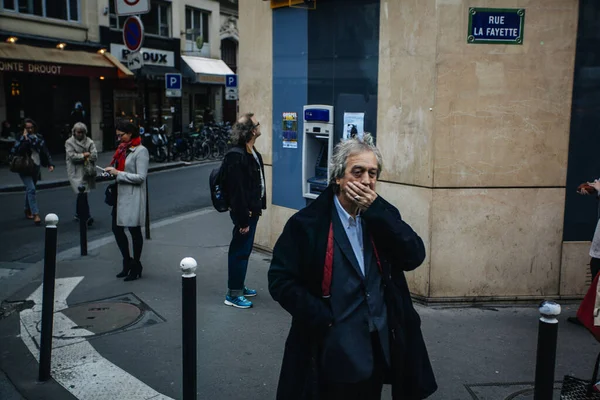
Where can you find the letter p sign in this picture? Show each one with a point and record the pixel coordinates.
(173, 81)
(231, 81)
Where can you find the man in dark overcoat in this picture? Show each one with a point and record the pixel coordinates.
(338, 269)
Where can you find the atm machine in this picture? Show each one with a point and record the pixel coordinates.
(317, 148)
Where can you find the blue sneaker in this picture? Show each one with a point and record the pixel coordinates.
(238, 302)
(249, 292)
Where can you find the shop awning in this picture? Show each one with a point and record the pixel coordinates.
(206, 70)
(45, 61)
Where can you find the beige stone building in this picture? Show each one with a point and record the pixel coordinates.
(50, 59)
(56, 53)
(484, 144)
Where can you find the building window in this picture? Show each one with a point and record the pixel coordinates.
(196, 28)
(66, 10)
(156, 22)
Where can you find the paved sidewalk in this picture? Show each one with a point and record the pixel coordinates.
(10, 182)
(485, 353)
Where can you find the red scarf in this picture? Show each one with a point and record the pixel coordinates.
(120, 155)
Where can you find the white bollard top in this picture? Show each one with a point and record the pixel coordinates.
(51, 220)
(549, 310)
(188, 267)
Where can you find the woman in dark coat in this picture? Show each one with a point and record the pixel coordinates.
(31, 144)
(296, 281)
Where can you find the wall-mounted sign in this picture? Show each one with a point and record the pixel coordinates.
(31, 67)
(496, 25)
(354, 125)
(162, 58)
(216, 79)
(290, 130)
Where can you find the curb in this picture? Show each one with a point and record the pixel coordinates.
(55, 184)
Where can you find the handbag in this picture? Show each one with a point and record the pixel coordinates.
(579, 389)
(22, 165)
(585, 313)
(89, 169)
(110, 195)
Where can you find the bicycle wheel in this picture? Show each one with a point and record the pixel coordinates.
(204, 151)
(222, 148)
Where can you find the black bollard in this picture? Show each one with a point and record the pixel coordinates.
(83, 212)
(48, 297)
(546, 351)
(188, 324)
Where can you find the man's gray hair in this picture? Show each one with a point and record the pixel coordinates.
(241, 132)
(347, 148)
(79, 126)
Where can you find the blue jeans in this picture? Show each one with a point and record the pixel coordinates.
(29, 181)
(239, 253)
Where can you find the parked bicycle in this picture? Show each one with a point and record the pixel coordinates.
(181, 146)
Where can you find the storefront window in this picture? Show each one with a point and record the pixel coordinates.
(67, 10)
(127, 107)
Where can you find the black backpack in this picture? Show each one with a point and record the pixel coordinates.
(218, 185)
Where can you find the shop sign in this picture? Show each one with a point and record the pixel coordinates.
(161, 58)
(217, 79)
(28, 67)
(496, 25)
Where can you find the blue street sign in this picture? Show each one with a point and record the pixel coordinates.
(173, 81)
(133, 33)
(231, 81)
(496, 25)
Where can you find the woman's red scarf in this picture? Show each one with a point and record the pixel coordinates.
(120, 155)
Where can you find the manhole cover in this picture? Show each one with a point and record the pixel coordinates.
(105, 316)
(97, 318)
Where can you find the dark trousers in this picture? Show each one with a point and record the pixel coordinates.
(369, 389)
(123, 242)
(594, 267)
(240, 249)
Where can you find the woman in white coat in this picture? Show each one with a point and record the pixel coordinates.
(81, 161)
(130, 167)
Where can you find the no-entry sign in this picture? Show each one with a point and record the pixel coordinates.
(133, 33)
(132, 7)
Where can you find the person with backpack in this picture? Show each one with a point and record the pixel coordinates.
(243, 181)
(338, 269)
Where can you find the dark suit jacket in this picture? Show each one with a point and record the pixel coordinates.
(295, 278)
(357, 305)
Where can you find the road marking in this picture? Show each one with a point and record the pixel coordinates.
(76, 365)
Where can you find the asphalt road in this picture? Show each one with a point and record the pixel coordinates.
(171, 192)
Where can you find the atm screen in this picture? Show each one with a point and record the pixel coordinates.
(322, 162)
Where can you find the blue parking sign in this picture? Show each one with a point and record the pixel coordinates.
(231, 81)
(173, 81)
